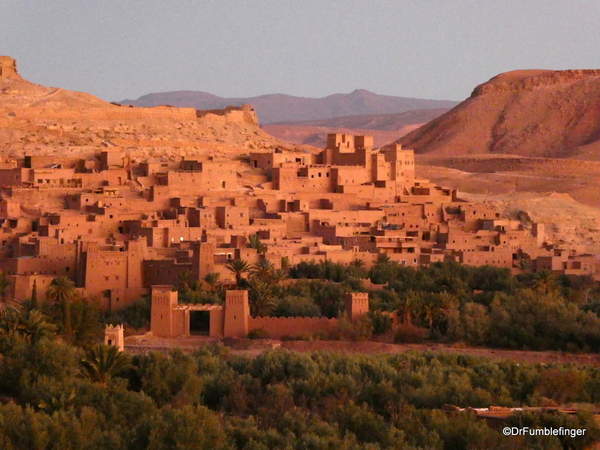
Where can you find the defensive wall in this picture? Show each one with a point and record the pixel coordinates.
(233, 319)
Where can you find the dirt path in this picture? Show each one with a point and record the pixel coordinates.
(252, 348)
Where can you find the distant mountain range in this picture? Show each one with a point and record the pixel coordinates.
(287, 108)
(385, 128)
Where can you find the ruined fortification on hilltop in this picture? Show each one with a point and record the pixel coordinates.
(8, 67)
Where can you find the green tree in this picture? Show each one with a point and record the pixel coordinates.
(85, 323)
(295, 306)
(238, 267)
(184, 280)
(61, 293)
(187, 428)
(33, 304)
(357, 268)
(30, 325)
(279, 275)
(434, 308)
(263, 270)
(103, 362)
(544, 281)
(4, 285)
(409, 307)
(260, 297)
(212, 279)
(255, 242)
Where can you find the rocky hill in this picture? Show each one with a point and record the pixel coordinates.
(535, 113)
(39, 120)
(286, 108)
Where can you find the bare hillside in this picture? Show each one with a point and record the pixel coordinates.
(39, 120)
(552, 114)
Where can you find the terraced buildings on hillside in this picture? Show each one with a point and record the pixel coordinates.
(117, 227)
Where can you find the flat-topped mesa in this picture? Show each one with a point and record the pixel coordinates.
(8, 67)
(520, 80)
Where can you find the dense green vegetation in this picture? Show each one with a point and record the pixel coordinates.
(476, 305)
(59, 390)
(57, 396)
(445, 302)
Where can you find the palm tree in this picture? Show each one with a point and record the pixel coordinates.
(409, 307)
(103, 362)
(524, 264)
(34, 301)
(263, 270)
(261, 297)
(65, 400)
(31, 325)
(37, 328)
(255, 243)
(279, 275)
(356, 267)
(434, 307)
(212, 279)
(544, 281)
(62, 292)
(383, 258)
(184, 279)
(357, 263)
(238, 267)
(4, 284)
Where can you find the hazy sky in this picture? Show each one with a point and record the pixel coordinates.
(413, 48)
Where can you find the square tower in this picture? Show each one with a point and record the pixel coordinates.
(237, 313)
(357, 304)
(8, 67)
(113, 335)
(164, 299)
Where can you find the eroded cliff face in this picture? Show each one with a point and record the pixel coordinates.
(40, 120)
(529, 113)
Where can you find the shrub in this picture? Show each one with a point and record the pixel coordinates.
(356, 330)
(382, 322)
(258, 333)
(409, 334)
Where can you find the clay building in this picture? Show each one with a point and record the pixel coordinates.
(116, 227)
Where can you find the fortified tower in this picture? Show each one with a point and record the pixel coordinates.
(8, 67)
(113, 335)
(203, 261)
(348, 150)
(163, 301)
(357, 304)
(237, 312)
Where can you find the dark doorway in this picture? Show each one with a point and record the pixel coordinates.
(200, 323)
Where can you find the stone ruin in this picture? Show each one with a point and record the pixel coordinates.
(8, 67)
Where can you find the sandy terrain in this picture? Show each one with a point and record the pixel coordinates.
(37, 120)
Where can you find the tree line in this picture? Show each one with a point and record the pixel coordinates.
(55, 395)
